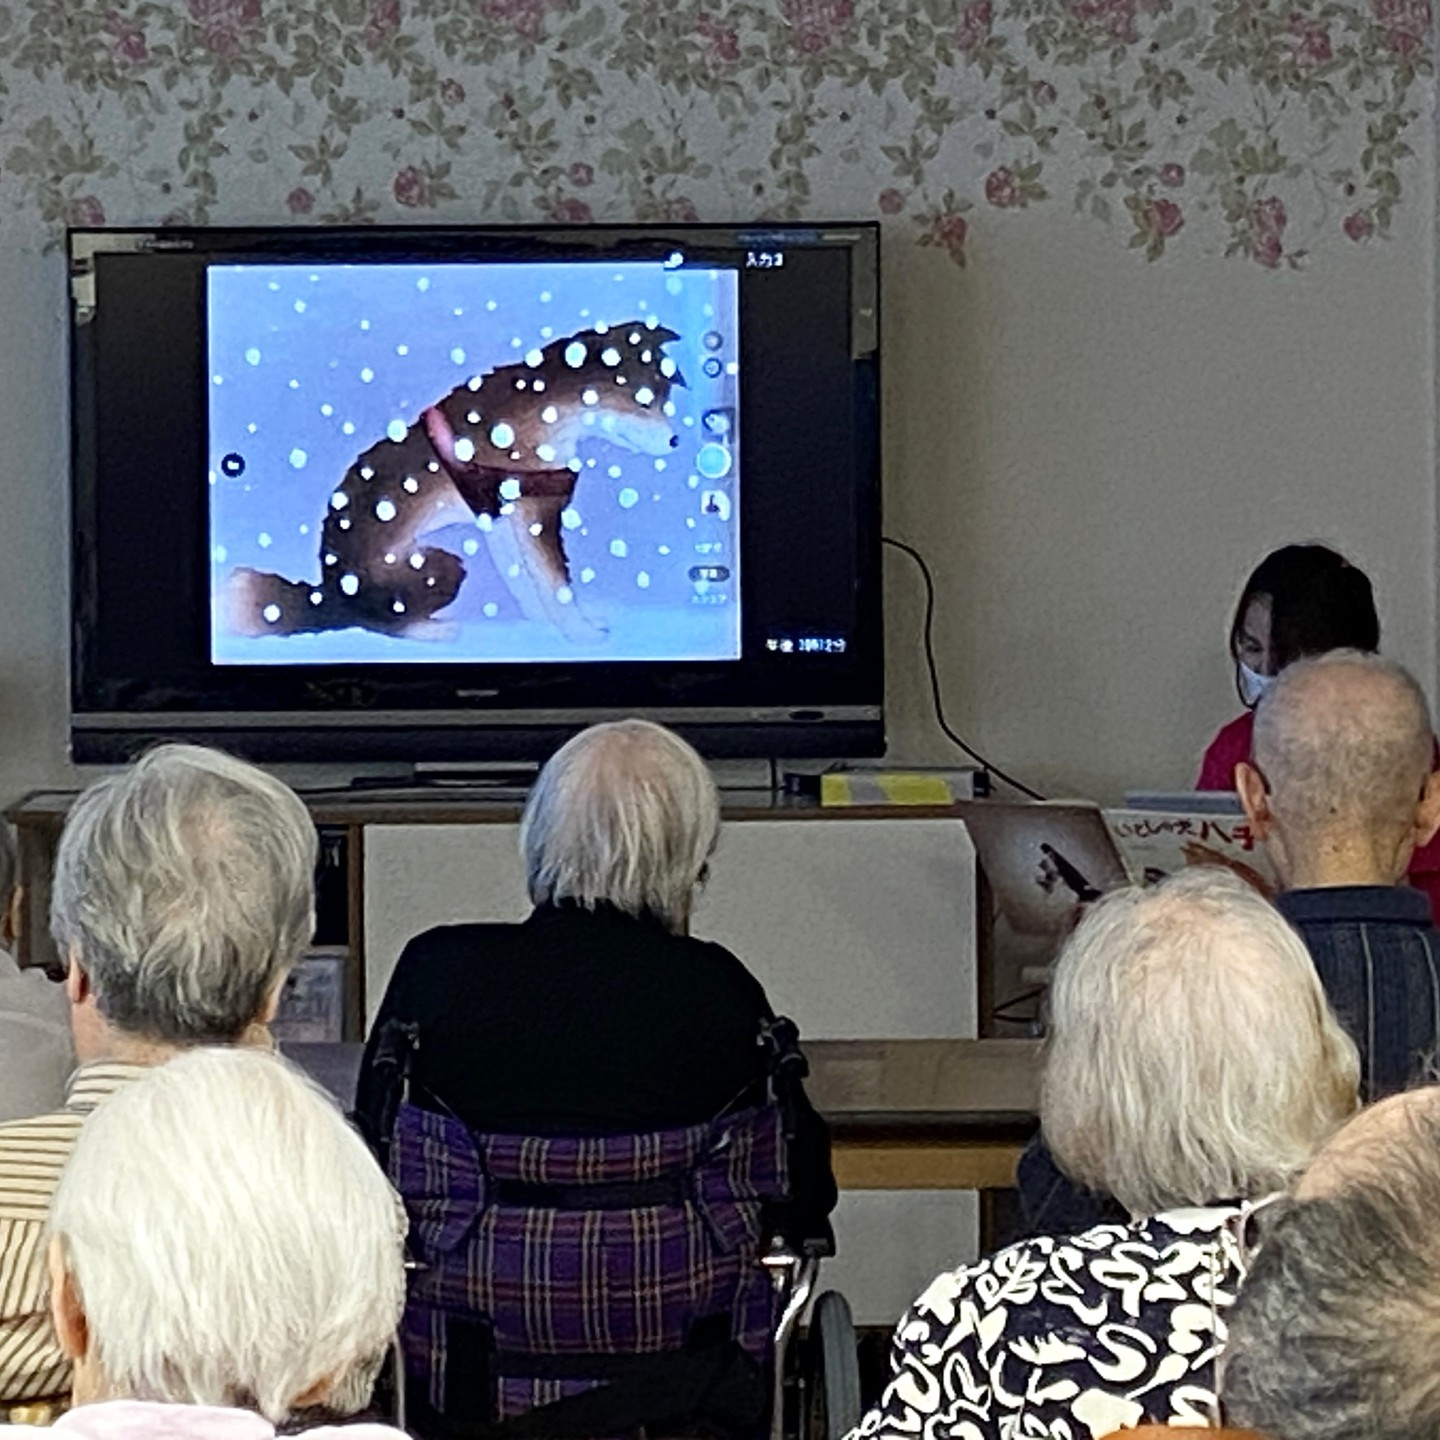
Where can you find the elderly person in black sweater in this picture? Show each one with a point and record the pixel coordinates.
(598, 1014)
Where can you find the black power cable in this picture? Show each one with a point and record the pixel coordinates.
(929, 634)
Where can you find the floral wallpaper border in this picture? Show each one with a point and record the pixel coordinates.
(1258, 130)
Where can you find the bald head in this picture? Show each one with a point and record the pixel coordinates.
(1342, 750)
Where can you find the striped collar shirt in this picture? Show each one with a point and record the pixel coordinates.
(32, 1155)
(1378, 957)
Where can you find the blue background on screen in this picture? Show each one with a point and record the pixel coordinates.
(289, 345)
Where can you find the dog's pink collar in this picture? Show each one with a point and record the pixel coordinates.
(442, 436)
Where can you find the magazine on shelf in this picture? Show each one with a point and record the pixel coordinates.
(312, 1002)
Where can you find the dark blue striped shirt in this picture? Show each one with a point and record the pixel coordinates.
(1378, 956)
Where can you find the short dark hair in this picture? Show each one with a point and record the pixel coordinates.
(1335, 1332)
(1319, 602)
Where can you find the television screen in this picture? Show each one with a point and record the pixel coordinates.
(442, 464)
(344, 493)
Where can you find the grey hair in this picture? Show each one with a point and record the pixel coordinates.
(185, 888)
(1192, 1056)
(1337, 1327)
(625, 814)
(1344, 741)
(230, 1238)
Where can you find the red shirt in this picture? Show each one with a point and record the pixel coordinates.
(1233, 745)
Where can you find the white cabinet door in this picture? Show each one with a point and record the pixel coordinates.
(858, 929)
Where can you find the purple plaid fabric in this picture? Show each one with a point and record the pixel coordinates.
(577, 1282)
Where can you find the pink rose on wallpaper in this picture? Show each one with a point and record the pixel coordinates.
(127, 41)
(1172, 175)
(1163, 219)
(384, 21)
(1404, 23)
(975, 24)
(1268, 215)
(817, 24)
(1269, 251)
(1169, 218)
(299, 201)
(1115, 17)
(225, 25)
(571, 211)
(1002, 188)
(722, 43)
(681, 210)
(581, 174)
(85, 210)
(891, 202)
(1312, 42)
(948, 232)
(452, 92)
(525, 17)
(1359, 225)
(411, 188)
(1267, 226)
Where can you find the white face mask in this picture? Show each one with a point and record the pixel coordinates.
(1254, 687)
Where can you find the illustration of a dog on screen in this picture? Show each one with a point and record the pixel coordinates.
(500, 453)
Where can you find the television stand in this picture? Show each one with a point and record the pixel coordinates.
(479, 778)
(863, 919)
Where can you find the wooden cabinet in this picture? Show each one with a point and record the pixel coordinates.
(862, 923)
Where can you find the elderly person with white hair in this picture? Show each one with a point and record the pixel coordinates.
(183, 895)
(1193, 1068)
(268, 1293)
(599, 1014)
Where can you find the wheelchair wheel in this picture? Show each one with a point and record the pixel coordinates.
(834, 1369)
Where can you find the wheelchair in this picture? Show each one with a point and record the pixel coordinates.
(572, 1287)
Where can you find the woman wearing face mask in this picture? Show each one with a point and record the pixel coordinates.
(1301, 600)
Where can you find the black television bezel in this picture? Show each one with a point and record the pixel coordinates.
(335, 723)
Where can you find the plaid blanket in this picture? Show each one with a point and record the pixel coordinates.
(579, 1282)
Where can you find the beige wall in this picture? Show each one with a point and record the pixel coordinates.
(1094, 453)
(1091, 452)
(34, 536)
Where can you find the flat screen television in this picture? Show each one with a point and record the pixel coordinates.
(452, 494)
